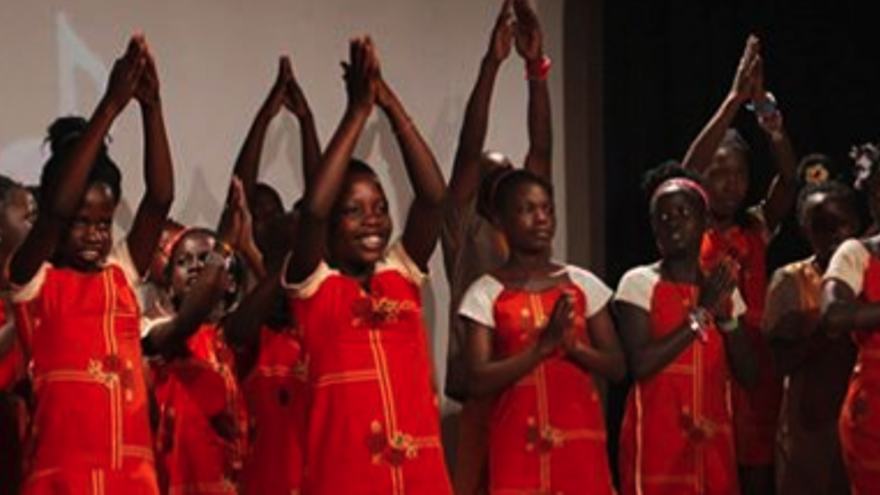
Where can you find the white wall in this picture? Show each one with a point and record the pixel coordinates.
(217, 60)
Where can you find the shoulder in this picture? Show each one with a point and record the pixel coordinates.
(637, 285)
(597, 292)
(478, 303)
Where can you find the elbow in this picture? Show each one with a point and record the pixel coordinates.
(433, 199)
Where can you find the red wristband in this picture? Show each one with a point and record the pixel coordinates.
(538, 70)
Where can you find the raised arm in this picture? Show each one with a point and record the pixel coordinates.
(296, 102)
(247, 165)
(319, 197)
(782, 192)
(701, 151)
(425, 215)
(490, 375)
(465, 178)
(61, 196)
(158, 169)
(530, 46)
(238, 231)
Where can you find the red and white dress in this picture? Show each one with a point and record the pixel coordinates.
(373, 421)
(677, 434)
(547, 431)
(202, 436)
(859, 269)
(90, 432)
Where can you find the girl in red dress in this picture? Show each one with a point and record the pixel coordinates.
(741, 235)
(17, 212)
(76, 307)
(373, 418)
(851, 304)
(680, 330)
(537, 330)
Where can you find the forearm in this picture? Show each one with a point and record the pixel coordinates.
(311, 147)
(850, 316)
(167, 338)
(655, 355)
(472, 138)
(65, 193)
(494, 377)
(609, 363)
(540, 155)
(321, 195)
(701, 151)
(247, 164)
(424, 173)
(159, 171)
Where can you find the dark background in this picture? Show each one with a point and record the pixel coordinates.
(669, 64)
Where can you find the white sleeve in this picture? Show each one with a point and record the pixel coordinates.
(148, 324)
(637, 286)
(848, 265)
(308, 287)
(30, 290)
(598, 294)
(398, 259)
(739, 304)
(478, 303)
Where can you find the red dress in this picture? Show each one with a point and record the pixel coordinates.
(677, 436)
(201, 440)
(90, 431)
(755, 411)
(275, 394)
(547, 432)
(373, 418)
(859, 421)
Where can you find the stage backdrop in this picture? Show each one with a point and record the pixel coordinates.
(217, 60)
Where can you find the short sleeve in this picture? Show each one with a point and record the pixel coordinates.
(848, 265)
(29, 291)
(739, 304)
(398, 259)
(637, 286)
(598, 294)
(478, 303)
(148, 324)
(308, 287)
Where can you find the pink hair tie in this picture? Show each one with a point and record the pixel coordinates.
(684, 184)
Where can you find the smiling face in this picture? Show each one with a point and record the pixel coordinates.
(361, 224)
(87, 241)
(528, 219)
(678, 220)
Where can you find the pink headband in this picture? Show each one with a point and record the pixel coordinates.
(685, 184)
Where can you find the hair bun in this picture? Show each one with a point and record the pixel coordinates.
(64, 131)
